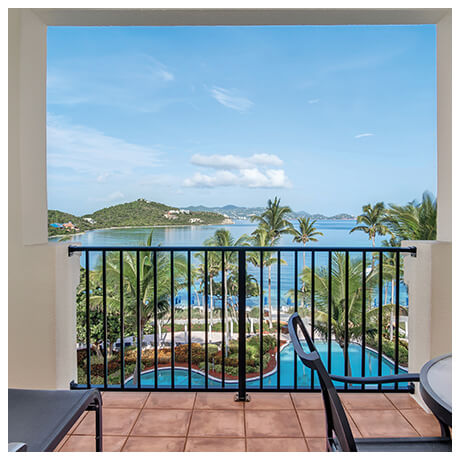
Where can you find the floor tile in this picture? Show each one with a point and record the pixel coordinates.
(270, 401)
(358, 401)
(115, 421)
(382, 423)
(217, 423)
(215, 445)
(316, 444)
(272, 423)
(402, 400)
(425, 424)
(163, 400)
(313, 423)
(308, 400)
(82, 416)
(63, 440)
(217, 401)
(153, 444)
(162, 422)
(354, 429)
(124, 399)
(276, 445)
(77, 443)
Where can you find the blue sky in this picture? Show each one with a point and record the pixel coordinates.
(327, 118)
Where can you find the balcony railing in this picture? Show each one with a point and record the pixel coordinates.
(349, 296)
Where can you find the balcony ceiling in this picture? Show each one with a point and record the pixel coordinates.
(250, 16)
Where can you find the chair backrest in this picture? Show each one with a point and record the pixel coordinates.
(339, 435)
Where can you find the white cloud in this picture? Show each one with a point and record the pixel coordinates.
(235, 161)
(250, 178)
(231, 99)
(165, 75)
(221, 178)
(358, 136)
(313, 101)
(89, 151)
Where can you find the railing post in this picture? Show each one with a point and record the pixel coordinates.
(241, 395)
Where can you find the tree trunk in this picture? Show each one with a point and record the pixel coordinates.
(224, 307)
(270, 297)
(210, 303)
(303, 283)
(141, 334)
(342, 346)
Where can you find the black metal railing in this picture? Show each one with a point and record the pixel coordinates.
(341, 293)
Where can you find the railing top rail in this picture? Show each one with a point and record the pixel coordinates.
(409, 250)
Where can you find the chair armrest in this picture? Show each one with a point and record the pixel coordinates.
(380, 379)
(17, 447)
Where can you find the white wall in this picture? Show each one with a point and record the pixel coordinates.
(444, 93)
(42, 278)
(429, 280)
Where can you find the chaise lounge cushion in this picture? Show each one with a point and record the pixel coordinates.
(41, 418)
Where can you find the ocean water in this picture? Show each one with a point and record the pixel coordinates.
(335, 233)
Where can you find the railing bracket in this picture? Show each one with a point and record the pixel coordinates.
(246, 398)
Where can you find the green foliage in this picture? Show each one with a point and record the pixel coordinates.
(372, 221)
(307, 231)
(147, 213)
(388, 349)
(62, 218)
(139, 213)
(414, 221)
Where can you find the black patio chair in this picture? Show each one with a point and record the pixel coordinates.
(39, 419)
(339, 437)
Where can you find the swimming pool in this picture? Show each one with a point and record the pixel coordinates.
(286, 369)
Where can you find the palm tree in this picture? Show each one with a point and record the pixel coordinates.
(372, 221)
(389, 261)
(306, 233)
(223, 237)
(165, 298)
(414, 221)
(214, 267)
(338, 300)
(273, 221)
(260, 239)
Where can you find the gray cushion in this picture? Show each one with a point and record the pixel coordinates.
(41, 418)
(404, 445)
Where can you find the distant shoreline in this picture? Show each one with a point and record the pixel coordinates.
(163, 226)
(136, 226)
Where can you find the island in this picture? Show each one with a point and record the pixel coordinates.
(139, 213)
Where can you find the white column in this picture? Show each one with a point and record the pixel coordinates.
(42, 278)
(429, 280)
(444, 137)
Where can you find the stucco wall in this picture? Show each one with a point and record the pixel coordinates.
(42, 278)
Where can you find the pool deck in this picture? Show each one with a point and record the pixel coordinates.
(200, 422)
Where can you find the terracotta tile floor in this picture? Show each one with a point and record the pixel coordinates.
(200, 422)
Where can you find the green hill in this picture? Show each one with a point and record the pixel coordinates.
(139, 213)
(143, 213)
(60, 217)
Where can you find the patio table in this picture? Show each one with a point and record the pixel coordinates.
(436, 387)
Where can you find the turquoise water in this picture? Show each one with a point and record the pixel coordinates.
(336, 233)
(286, 370)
